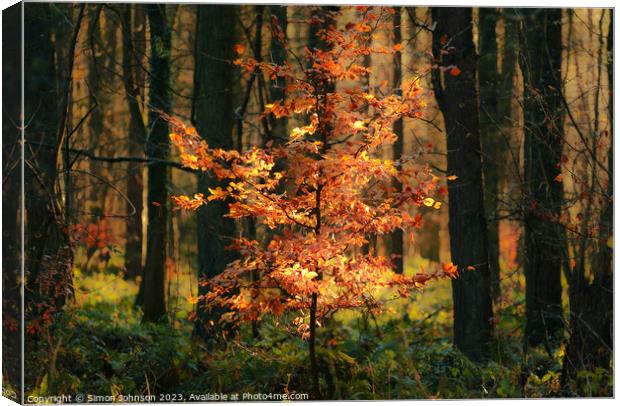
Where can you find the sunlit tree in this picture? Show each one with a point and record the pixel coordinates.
(336, 194)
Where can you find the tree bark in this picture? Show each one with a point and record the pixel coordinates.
(157, 146)
(278, 55)
(457, 99)
(396, 239)
(488, 84)
(135, 147)
(214, 119)
(540, 61)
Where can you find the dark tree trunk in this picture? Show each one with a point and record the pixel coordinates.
(135, 139)
(540, 61)
(214, 120)
(396, 240)
(157, 147)
(457, 100)
(48, 252)
(591, 301)
(11, 196)
(47, 86)
(278, 55)
(488, 85)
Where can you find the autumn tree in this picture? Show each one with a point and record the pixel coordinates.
(339, 195)
(157, 148)
(540, 59)
(454, 83)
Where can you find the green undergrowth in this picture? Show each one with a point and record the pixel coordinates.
(100, 347)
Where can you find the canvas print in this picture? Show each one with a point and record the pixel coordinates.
(278, 202)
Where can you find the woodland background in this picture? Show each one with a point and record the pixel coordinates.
(112, 268)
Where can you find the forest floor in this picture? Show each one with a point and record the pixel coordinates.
(403, 353)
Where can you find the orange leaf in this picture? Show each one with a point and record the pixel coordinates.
(239, 49)
(449, 269)
(455, 71)
(558, 178)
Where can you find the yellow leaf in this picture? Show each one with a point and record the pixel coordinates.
(429, 201)
(452, 177)
(437, 205)
(359, 125)
(311, 275)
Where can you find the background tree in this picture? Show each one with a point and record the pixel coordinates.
(590, 296)
(540, 60)
(397, 241)
(157, 148)
(278, 55)
(490, 128)
(135, 140)
(213, 116)
(454, 80)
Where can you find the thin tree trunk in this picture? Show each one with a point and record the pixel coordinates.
(157, 146)
(540, 61)
(135, 141)
(468, 239)
(397, 242)
(326, 13)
